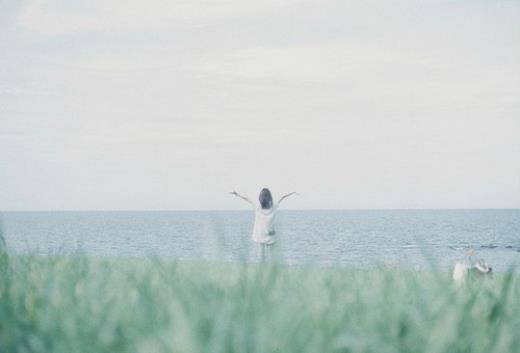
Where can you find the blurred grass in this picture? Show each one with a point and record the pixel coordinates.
(84, 304)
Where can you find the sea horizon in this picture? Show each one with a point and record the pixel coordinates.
(281, 210)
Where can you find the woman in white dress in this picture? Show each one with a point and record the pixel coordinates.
(263, 230)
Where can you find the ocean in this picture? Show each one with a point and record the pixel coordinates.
(361, 239)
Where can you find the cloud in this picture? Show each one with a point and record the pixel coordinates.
(313, 63)
(58, 18)
(349, 92)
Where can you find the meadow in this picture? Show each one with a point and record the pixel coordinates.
(66, 304)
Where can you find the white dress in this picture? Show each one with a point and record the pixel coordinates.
(263, 230)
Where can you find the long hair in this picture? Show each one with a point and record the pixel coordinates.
(266, 199)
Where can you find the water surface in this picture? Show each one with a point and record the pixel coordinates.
(410, 238)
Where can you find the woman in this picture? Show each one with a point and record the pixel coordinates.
(263, 230)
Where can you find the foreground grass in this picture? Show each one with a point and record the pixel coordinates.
(81, 304)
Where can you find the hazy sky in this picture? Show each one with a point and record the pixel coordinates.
(171, 104)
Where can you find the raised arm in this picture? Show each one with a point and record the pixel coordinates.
(285, 196)
(234, 193)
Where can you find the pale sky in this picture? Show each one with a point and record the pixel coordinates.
(118, 104)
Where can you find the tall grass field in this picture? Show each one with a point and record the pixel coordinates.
(66, 304)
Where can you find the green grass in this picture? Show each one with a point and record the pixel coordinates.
(83, 304)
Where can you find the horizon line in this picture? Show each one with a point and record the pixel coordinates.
(248, 209)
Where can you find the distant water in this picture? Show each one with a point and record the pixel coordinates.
(409, 238)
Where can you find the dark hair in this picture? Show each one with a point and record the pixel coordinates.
(266, 199)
